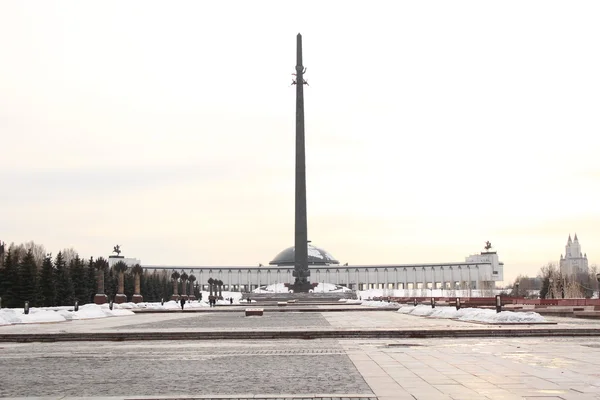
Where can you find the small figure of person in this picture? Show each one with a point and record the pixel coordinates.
(182, 301)
(231, 300)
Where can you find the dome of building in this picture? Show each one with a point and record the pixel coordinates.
(316, 256)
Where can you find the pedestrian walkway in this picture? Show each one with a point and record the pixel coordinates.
(230, 325)
(382, 369)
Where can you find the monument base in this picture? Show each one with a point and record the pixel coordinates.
(120, 298)
(100, 299)
(175, 297)
(301, 287)
(137, 298)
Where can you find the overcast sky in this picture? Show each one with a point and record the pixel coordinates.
(431, 127)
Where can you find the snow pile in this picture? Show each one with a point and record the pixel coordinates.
(411, 293)
(351, 301)
(9, 316)
(274, 288)
(406, 309)
(37, 316)
(322, 287)
(444, 312)
(490, 316)
(423, 311)
(92, 311)
(381, 304)
(473, 314)
(176, 305)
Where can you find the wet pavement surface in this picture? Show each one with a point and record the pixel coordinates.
(167, 368)
(515, 368)
(238, 320)
(389, 369)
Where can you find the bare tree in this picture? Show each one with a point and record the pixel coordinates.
(69, 254)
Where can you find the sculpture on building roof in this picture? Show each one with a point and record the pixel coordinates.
(117, 249)
(488, 245)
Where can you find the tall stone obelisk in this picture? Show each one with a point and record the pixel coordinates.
(301, 272)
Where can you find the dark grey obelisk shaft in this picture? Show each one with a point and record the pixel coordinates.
(301, 272)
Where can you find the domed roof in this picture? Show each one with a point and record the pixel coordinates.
(316, 256)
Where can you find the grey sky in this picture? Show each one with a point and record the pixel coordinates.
(168, 127)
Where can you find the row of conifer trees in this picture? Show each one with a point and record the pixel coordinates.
(53, 281)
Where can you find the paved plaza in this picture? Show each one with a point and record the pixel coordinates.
(384, 369)
(278, 321)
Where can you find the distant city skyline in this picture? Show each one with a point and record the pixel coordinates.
(431, 128)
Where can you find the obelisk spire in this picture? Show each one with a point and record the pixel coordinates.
(301, 272)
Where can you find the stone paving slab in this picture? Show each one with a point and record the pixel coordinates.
(237, 321)
(516, 368)
(220, 326)
(473, 369)
(244, 369)
(312, 334)
(335, 321)
(283, 396)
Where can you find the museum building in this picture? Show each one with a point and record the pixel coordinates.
(477, 272)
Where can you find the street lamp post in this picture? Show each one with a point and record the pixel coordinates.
(551, 281)
(517, 287)
(598, 279)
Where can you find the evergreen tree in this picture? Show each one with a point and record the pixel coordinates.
(108, 284)
(128, 284)
(47, 283)
(156, 288)
(91, 283)
(78, 277)
(166, 288)
(113, 282)
(10, 281)
(1, 272)
(144, 288)
(64, 286)
(27, 279)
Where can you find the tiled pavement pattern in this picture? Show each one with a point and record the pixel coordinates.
(479, 369)
(288, 321)
(494, 368)
(177, 368)
(219, 397)
(535, 368)
(237, 321)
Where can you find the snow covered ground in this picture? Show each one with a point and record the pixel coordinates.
(90, 311)
(473, 314)
(9, 316)
(380, 304)
(322, 287)
(371, 293)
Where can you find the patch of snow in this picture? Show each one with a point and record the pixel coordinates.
(380, 304)
(473, 314)
(371, 293)
(314, 252)
(17, 316)
(322, 287)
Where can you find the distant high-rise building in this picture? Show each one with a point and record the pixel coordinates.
(574, 262)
